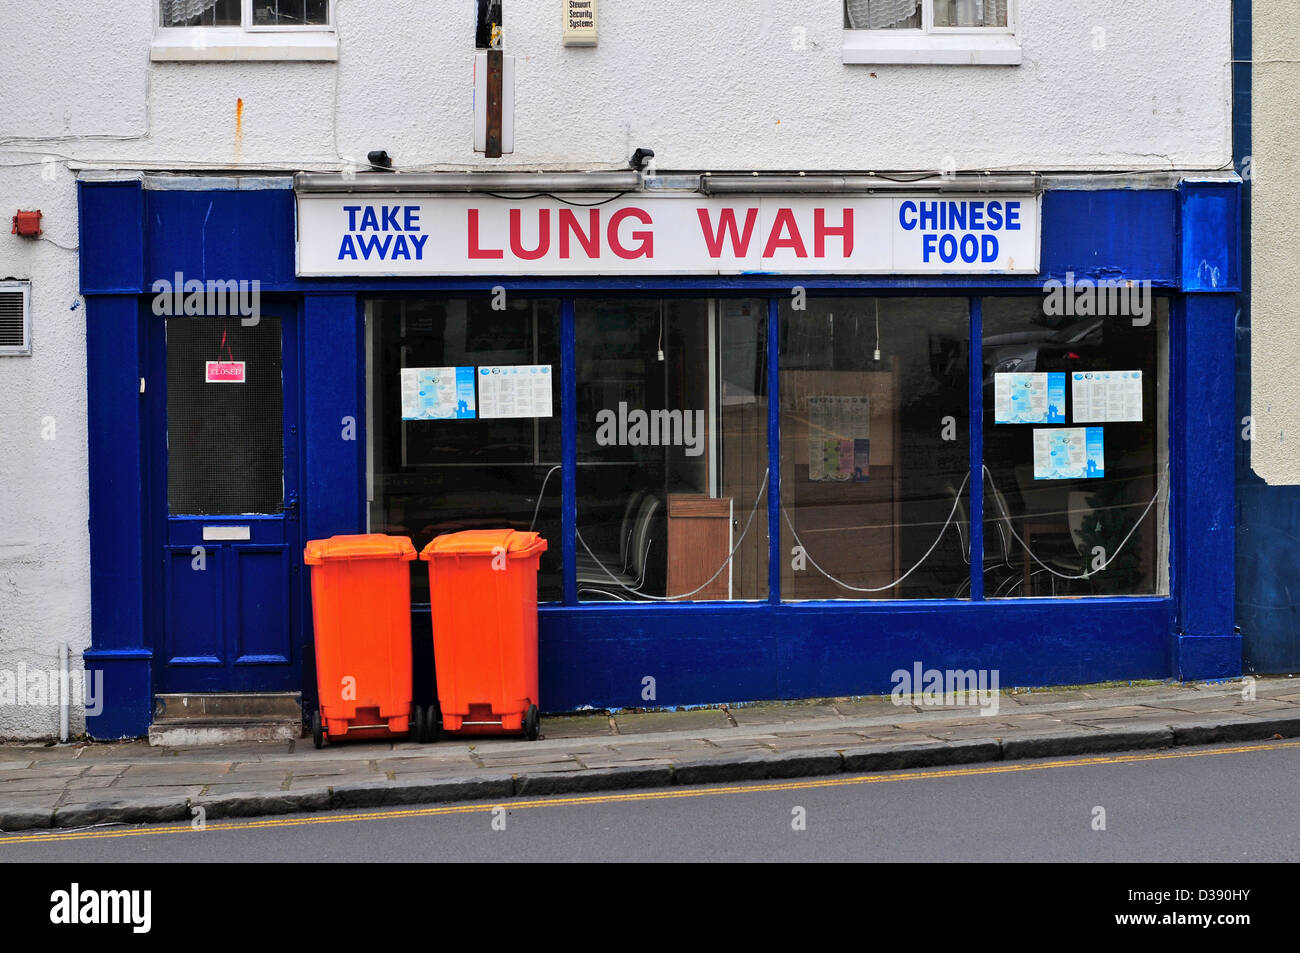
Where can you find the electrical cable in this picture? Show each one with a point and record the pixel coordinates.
(541, 493)
(956, 501)
(762, 491)
(1006, 518)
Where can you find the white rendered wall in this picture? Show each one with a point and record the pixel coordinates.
(1106, 85)
(1275, 249)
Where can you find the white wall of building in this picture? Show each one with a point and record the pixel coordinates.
(1106, 85)
(1275, 251)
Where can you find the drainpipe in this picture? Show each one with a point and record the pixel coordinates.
(65, 693)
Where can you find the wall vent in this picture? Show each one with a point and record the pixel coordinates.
(15, 318)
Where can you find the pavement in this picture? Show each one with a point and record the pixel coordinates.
(90, 784)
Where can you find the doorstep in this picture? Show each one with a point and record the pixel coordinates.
(213, 718)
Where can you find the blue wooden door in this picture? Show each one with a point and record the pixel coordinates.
(229, 612)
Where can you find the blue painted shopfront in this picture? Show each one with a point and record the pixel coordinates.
(1184, 240)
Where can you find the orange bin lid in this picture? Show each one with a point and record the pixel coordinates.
(367, 546)
(486, 542)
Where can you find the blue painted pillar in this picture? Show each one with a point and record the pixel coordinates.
(120, 658)
(111, 268)
(333, 437)
(1204, 408)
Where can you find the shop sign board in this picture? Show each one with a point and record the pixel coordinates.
(423, 235)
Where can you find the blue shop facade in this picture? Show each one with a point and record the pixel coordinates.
(785, 435)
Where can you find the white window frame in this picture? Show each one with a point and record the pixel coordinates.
(244, 43)
(24, 349)
(931, 45)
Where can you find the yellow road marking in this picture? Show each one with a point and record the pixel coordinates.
(511, 804)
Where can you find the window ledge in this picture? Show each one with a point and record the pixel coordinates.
(218, 44)
(888, 47)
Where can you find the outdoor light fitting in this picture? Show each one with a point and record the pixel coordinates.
(640, 159)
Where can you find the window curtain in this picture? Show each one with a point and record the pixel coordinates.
(882, 14)
(970, 13)
(182, 11)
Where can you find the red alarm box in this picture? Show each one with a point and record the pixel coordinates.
(28, 224)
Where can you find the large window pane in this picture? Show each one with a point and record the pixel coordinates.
(874, 448)
(225, 442)
(1075, 445)
(882, 14)
(970, 13)
(434, 476)
(200, 12)
(672, 449)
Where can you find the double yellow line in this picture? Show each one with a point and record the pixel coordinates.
(482, 807)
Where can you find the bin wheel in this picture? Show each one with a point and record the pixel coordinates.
(416, 733)
(317, 735)
(434, 723)
(532, 723)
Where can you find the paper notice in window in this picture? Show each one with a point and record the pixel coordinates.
(1106, 396)
(839, 435)
(518, 390)
(1029, 398)
(1069, 453)
(437, 393)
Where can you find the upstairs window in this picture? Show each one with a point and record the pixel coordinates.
(245, 13)
(245, 30)
(925, 14)
(957, 32)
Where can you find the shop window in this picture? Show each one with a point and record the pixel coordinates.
(875, 449)
(957, 32)
(672, 449)
(447, 452)
(1075, 444)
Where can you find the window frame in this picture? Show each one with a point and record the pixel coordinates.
(248, 41)
(936, 45)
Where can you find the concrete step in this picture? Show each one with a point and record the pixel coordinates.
(223, 717)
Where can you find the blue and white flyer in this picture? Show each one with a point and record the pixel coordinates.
(438, 393)
(1029, 398)
(1069, 453)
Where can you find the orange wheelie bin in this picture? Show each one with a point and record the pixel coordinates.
(483, 590)
(361, 611)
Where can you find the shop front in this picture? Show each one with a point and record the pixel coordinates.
(786, 435)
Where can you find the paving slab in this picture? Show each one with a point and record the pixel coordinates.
(634, 723)
(862, 707)
(575, 726)
(777, 713)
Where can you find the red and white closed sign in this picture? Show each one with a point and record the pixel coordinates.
(224, 372)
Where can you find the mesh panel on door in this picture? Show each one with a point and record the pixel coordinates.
(225, 447)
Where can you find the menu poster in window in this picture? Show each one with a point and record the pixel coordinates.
(437, 393)
(1069, 453)
(839, 433)
(1107, 396)
(521, 390)
(1029, 398)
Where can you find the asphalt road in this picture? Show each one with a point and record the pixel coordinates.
(1222, 803)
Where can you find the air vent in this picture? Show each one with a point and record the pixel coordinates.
(15, 321)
